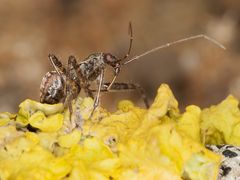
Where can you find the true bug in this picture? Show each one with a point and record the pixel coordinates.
(64, 84)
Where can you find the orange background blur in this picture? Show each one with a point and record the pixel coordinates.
(197, 71)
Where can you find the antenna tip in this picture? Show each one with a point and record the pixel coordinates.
(223, 47)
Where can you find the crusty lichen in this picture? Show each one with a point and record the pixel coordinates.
(41, 142)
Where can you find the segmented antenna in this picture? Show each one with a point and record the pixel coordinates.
(130, 32)
(177, 42)
(117, 70)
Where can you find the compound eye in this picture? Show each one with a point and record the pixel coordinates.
(110, 59)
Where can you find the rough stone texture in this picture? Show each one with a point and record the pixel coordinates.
(230, 167)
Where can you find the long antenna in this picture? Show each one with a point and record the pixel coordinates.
(130, 32)
(176, 42)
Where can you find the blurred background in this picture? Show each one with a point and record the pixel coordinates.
(197, 71)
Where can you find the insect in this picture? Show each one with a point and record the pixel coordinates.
(65, 83)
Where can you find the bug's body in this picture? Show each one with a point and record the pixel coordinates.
(91, 67)
(64, 84)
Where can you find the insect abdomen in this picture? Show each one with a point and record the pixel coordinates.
(51, 88)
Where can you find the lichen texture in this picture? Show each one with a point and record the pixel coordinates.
(41, 142)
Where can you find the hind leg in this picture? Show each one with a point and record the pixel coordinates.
(118, 87)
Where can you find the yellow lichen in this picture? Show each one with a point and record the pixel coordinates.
(42, 142)
(221, 124)
(68, 140)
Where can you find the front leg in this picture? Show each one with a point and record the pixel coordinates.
(97, 97)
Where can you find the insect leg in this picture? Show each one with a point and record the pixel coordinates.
(56, 64)
(97, 97)
(116, 72)
(72, 83)
(69, 97)
(116, 87)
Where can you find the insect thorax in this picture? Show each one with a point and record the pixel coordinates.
(91, 67)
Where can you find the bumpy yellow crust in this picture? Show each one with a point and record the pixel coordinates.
(40, 142)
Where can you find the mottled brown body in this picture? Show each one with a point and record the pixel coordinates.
(52, 88)
(64, 84)
(91, 67)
